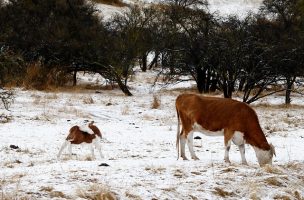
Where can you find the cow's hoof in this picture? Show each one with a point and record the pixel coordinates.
(185, 158)
(195, 158)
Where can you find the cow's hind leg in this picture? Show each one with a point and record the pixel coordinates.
(182, 146)
(190, 145)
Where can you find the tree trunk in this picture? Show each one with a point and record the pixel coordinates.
(123, 86)
(289, 83)
(200, 79)
(144, 62)
(74, 78)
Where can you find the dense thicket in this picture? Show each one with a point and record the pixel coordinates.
(251, 54)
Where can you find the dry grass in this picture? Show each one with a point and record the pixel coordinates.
(156, 102)
(282, 197)
(272, 169)
(178, 173)
(87, 100)
(96, 192)
(273, 181)
(46, 189)
(57, 194)
(37, 77)
(117, 3)
(132, 196)
(155, 170)
(222, 193)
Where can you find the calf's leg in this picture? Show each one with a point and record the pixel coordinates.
(98, 147)
(64, 145)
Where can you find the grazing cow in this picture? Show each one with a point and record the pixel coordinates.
(213, 116)
(79, 135)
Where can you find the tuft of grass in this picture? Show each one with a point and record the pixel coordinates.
(57, 194)
(47, 189)
(272, 169)
(298, 195)
(88, 158)
(156, 102)
(155, 170)
(282, 197)
(96, 192)
(273, 181)
(179, 173)
(220, 192)
(88, 100)
(132, 196)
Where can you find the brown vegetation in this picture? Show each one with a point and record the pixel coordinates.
(117, 3)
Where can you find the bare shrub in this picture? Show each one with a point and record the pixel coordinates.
(34, 77)
(56, 78)
(41, 78)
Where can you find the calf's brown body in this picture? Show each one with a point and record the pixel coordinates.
(78, 136)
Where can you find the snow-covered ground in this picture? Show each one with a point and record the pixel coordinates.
(139, 147)
(223, 7)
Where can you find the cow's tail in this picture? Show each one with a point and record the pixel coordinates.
(177, 134)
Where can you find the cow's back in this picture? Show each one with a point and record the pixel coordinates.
(215, 114)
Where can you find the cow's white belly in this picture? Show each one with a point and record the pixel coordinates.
(237, 138)
(198, 128)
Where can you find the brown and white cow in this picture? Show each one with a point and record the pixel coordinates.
(213, 116)
(79, 135)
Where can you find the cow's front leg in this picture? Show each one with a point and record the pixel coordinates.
(242, 151)
(227, 148)
(190, 145)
